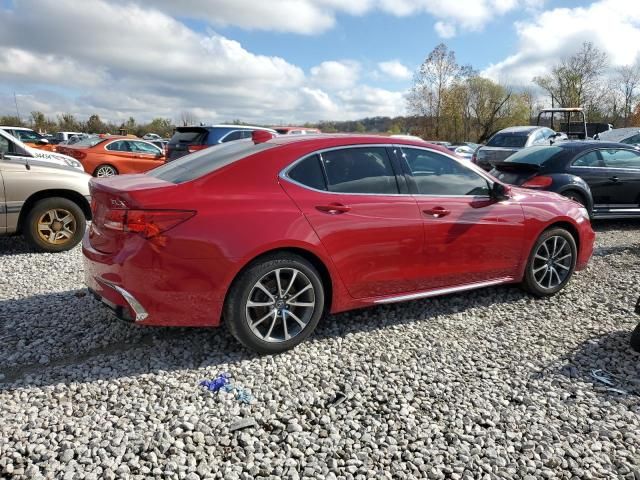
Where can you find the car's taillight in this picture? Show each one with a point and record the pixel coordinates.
(147, 223)
(538, 182)
(195, 148)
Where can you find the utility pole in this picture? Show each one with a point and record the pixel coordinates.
(15, 99)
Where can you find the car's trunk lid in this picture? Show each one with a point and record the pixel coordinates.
(514, 173)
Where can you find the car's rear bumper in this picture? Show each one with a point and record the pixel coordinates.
(144, 285)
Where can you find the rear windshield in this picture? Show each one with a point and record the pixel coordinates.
(509, 140)
(89, 142)
(189, 135)
(534, 155)
(206, 161)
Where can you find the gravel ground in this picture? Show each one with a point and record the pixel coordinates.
(489, 384)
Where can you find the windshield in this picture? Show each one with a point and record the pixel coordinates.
(534, 155)
(206, 161)
(509, 140)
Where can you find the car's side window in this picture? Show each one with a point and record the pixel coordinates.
(6, 146)
(633, 140)
(618, 158)
(120, 146)
(237, 135)
(537, 137)
(437, 174)
(308, 172)
(142, 147)
(360, 170)
(589, 159)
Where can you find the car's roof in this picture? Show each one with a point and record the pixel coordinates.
(16, 128)
(237, 127)
(520, 129)
(586, 144)
(618, 133)
(324, 140)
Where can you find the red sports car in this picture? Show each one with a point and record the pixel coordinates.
(269, 234)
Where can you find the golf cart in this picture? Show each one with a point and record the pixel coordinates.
(568, 121)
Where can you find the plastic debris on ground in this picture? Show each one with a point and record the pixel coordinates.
(606, 378)
(223, 382)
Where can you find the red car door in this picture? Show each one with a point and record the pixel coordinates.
(469, 236)
(373, 234)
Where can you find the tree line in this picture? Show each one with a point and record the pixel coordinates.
(68, 122)
(447, 101)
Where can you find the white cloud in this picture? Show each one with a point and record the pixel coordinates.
(445, 30)
(336, 75)
(395, 70)
(121, 60)
(312, 17)
(611, 25)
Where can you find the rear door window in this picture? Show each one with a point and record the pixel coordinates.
(360, 170)
(119, 146)
(7, 147)
(237, 135)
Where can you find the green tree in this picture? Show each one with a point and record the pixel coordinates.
(68, 123)
(95, 125)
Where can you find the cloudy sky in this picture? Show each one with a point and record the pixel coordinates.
(279, 61)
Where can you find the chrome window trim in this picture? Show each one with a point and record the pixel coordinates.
(609, 168)
(284, 172)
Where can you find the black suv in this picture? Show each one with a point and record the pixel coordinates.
(187, 140)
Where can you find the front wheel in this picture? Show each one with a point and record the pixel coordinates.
(551, 263)
(54, 224)
(275, 303)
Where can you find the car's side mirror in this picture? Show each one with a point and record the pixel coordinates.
(500, 191)
(42, 141)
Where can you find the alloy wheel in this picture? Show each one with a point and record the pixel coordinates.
(280, 305)
(57, 226)
(106, 171)
(552, 262)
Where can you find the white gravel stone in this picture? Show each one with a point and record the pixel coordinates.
(487, 384)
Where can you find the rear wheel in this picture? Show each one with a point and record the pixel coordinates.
(275, 303)
(105, 171)
(551, 263)
(54, 224)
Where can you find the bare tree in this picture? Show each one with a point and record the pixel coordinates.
(187, 118)
(576, 81)
(626, 81)
(436, 74)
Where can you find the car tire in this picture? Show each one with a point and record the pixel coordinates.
(282, 314)
(551, 263)
(54, 224)
(105, 170)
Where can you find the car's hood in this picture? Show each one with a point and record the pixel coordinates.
(54, 158)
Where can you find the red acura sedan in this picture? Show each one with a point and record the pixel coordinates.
(269, 234)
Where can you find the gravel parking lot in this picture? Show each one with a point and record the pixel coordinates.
(488, 384)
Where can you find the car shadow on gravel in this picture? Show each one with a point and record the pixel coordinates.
(14, 246)
(607, 362)
(70, 337)
(616, 225)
